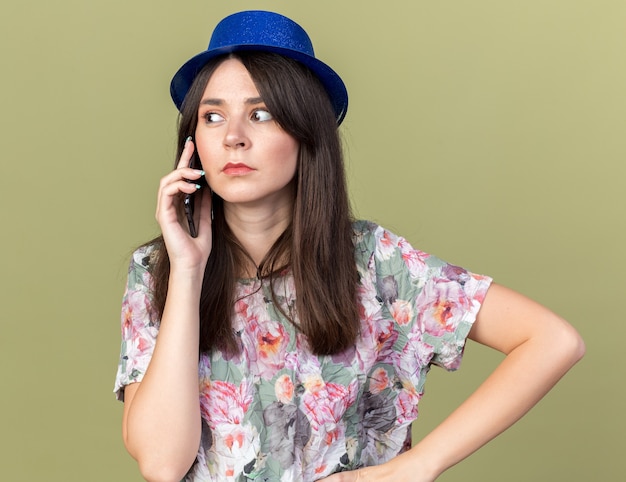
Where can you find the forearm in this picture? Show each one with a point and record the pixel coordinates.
(520, 381)
(162, 422)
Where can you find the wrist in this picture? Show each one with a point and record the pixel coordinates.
(409, 466)
(428, 466)
(186, 276)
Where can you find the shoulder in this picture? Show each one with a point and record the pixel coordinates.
(138, 310)
(145, 257)
(373, 241)
(387, 254)
(368, 235)
(363, 232)
(142, 262)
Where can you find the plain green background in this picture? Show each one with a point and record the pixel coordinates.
(489, 133)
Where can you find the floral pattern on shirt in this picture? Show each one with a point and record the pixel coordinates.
(276, 412)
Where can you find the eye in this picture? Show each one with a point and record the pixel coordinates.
(212, 117)
(261, 115)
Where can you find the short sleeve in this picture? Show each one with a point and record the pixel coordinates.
(448, 306)
(139, 323)
(433, 303)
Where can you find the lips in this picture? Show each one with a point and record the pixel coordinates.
(238, 169)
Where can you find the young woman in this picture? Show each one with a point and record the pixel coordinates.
(293, 342)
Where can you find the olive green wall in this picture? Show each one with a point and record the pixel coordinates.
(490, 133)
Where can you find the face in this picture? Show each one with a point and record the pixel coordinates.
(248, 158)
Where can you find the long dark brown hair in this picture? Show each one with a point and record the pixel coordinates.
(317, 245)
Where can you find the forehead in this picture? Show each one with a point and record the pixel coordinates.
(230, 80)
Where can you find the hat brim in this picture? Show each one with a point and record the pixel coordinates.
(336, 89)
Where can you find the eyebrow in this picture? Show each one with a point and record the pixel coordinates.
(248, 101)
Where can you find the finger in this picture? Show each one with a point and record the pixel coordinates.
(185, 174)
(185, 156)
(169, 198)
(181, 186)
(170, 195)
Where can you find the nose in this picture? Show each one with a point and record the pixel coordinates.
(236, 136)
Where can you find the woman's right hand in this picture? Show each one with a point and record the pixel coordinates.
(162, 421)
(184, 251)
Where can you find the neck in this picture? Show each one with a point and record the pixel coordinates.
(257, 228)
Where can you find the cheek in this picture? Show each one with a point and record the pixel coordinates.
(205, 153)
(289, 151)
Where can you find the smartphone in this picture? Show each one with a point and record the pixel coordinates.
(189, 200)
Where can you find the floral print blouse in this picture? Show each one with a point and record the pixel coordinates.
(276, 412)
